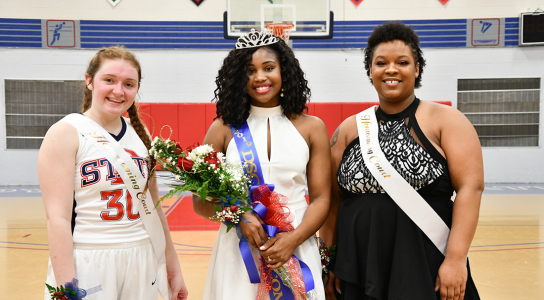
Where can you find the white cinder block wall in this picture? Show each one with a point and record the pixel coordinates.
(334, 75)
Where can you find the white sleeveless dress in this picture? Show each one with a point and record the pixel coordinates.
(227, 276)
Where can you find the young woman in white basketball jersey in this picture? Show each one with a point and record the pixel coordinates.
(96, 228)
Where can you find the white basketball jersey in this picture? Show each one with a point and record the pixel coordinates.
(104, 210)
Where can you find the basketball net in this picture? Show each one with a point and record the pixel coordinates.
(281, 30)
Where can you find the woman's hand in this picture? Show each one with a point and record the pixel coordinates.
(252, 229)
(277, 250)
(177, 284)
(332, 286)
(452, 279)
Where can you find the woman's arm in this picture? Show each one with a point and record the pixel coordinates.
(216, 135)
(173, 269)
(281, 247)
(56, 165)
(460, 143)
(328, 231)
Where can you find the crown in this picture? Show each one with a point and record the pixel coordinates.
(256, 39)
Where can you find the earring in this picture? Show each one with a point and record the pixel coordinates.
(281, 94)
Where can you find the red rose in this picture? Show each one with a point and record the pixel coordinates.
(58, 294)
(212, 161)
(178, 149)
(193, 146)
(327, 252)
(324, 262)
(234, 208)
(228, 219)
(64, 298)
(185, 164)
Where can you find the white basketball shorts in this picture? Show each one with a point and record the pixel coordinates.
(123, 271)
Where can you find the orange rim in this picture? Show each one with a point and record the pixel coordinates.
(279, 28)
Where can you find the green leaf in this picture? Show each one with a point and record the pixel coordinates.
(229, 227)
(217, 207)
(203, 190)
(50, 288)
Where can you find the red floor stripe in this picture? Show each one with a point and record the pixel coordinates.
(19, 248)
(507, 249)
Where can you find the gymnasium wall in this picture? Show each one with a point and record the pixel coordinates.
(212, 10)
(173, 76)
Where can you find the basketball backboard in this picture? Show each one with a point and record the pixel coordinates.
(312, 19)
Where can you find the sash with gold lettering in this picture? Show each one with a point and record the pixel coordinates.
(252, 167)
(394, 184)
(134, 182)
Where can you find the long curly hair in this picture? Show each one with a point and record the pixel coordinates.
(95, 64)
(392, 31)
(231, 94)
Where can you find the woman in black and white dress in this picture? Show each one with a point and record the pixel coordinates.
(382, 253)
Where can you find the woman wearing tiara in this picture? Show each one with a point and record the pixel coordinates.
(416, 156)
(261, 83)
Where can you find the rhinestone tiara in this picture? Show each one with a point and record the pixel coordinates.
(256, 39)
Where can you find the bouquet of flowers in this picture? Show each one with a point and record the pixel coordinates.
(204, 172)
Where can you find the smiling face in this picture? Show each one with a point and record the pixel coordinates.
(114, 87)
(264, 74)
(394, 71)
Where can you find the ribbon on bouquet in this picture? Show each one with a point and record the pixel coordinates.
(268, 205)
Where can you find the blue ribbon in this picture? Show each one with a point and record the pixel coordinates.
(306, 275)
(252, 167)
(248, 153)
(72, 286)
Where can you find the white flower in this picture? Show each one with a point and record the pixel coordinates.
(221, 157)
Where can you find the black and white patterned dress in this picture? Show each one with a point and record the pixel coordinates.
(382, 254)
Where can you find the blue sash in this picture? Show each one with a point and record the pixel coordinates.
(252, 167)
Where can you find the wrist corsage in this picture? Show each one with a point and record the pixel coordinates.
(328, 255)
(69, 291)
(230, 212)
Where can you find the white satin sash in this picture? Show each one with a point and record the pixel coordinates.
(135, 183)
(394, 184)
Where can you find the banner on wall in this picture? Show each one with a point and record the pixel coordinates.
(444, 1)
(61, 34)
(357, 2)
(197, 2)
(114, 2)
(486, 32)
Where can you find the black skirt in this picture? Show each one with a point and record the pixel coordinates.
(383, 255)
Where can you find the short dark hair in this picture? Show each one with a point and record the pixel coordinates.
(392, 31)
(231, 94)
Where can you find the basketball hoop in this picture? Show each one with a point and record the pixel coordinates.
(282, 30)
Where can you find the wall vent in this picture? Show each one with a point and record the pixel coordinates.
(504, 111)
(32, 106)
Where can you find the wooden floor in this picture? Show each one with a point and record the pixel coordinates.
(507, 254)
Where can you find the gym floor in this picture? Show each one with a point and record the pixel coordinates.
(507, 254)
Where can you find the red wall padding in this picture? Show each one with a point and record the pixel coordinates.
(190, 121)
